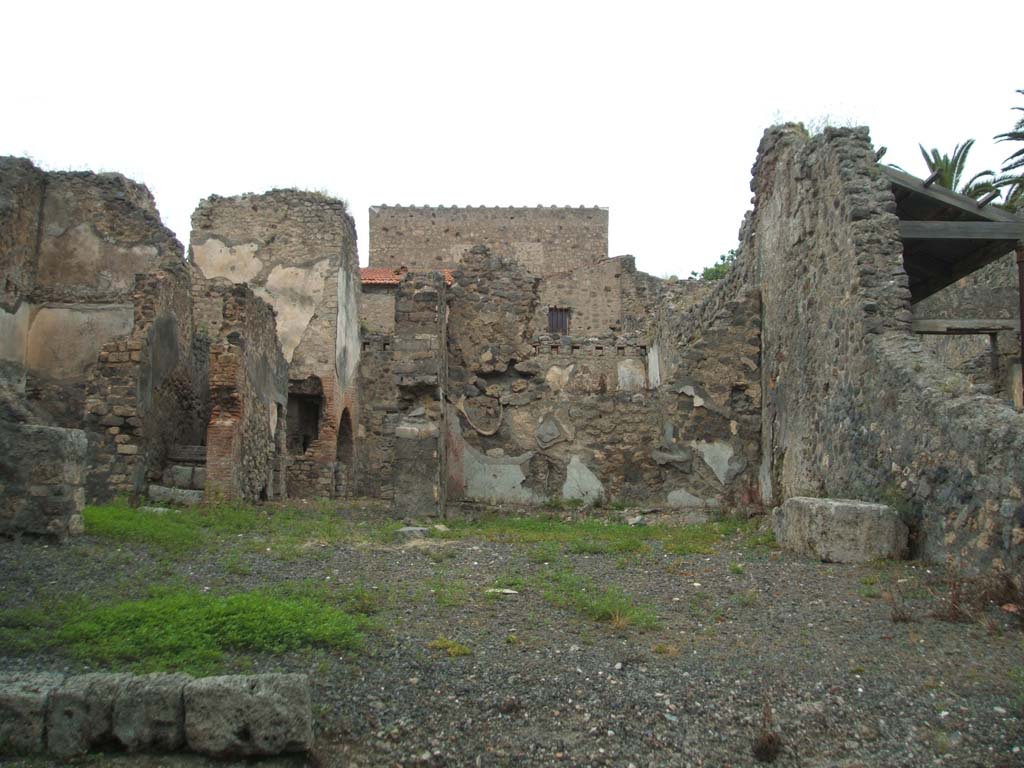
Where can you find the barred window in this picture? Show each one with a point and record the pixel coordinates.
(558, 321)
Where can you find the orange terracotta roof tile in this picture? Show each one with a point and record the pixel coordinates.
(390, 276)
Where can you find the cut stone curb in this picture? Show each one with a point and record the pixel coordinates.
(149, 713)
(23, 702)
(81, 713)
(249, 716)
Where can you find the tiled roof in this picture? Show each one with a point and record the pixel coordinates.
(389, 276)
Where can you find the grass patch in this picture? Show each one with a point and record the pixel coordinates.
(567, 589)
(281, 533)
(451, 647)
(448, 592)
(549, 536)
(181, 629)
(737, 568)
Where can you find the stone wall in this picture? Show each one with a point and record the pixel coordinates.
(377, 309)
(542, 240)
(21, 200)
(379, 414)
(297, 250)
(72, 245)
(579, 417)
(854, 405)
(145, 392)
(248, 378)
(419, 365)
(42, 472)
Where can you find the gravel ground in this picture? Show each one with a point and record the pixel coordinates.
(739, 631)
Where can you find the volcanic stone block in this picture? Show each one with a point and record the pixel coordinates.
(81, 715)
(23, 702)
(249, 715)
(840, 530)
(149, 712)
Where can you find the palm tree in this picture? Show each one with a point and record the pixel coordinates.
(1012, 184)
(951, 171)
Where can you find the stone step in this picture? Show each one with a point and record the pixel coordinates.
(181, 496)
(186, 454)
(185, 477)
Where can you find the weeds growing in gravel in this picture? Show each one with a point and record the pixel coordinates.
(550, 535)
(281, 533)
(449, 646)
(182, 629)
(567, 589)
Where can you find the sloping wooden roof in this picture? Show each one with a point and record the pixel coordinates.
(947, 235)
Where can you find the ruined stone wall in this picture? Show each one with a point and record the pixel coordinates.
(542, 240)
(21, 201)
(854, 405)
(419, 365)
(578, 417)
(297, 250)
(246, 434)
(143, 395)
(72, 245)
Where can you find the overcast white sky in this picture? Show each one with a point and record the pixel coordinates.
(652, 109)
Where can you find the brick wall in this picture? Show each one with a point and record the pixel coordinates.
(543, 240)
(246, 434)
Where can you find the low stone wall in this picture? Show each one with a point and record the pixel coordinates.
(243, 715)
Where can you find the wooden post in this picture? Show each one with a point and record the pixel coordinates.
(1020, 295)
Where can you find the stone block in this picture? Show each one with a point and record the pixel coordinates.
(81, 713)
(840, 530)
(180, 496)
(249, 715)
(178, 476)
(149, 712)
(23, 702)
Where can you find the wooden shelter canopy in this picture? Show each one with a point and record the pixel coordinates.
(947, 235)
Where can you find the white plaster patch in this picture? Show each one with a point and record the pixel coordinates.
(238, 263)
(557, 377)
(494, 479)
(631, 375)
(581, 483)
(654, 367)
(716, 455)
(347, 343)
(294, 292)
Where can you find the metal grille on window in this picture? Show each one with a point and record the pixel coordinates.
(558, 321)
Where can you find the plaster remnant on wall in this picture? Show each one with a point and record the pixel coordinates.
(14, 334)
(581, 483)
(557, 377)
(64, 341)
(654, 367)
(719, 457)
(238, 263)
(497, 478)
(294, 293)
(80, 257)
(631, 375)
